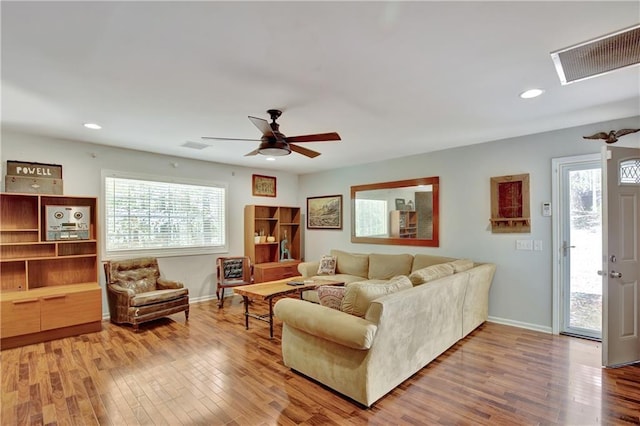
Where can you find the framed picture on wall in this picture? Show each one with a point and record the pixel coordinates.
(263, 186)
(324, 212)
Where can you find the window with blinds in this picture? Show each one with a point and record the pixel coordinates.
(163, 217)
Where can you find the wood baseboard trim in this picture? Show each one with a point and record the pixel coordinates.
(43, 336)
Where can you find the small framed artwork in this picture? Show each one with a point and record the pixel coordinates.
(263, 186)
(510, 205)
(324, 212)
(400, 204)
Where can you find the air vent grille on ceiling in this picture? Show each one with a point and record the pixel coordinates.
(195, 145)
(598, 56)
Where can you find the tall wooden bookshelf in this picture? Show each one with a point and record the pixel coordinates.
(275, 221)
(48, 289)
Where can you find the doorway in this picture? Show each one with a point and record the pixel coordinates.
(578, 246)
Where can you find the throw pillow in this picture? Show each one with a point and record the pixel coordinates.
(431, 273)
(461, 265)
(358, 296)
(327, 265)
(331, 296)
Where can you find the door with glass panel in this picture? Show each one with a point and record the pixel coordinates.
(621, 260)
(581, 248)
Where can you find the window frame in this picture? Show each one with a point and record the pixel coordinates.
(161, 252)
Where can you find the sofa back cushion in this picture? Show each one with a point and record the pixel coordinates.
(386, 266)
(358, 296)
(431, 273)
(423, 260)
(351, 263)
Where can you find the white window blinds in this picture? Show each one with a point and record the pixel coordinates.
(151, 215)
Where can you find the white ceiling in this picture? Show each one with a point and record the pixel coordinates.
(393, 78)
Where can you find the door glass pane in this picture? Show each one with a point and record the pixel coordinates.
(586, 249)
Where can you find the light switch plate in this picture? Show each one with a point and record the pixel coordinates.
(524, 245)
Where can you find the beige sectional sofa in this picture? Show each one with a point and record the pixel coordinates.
(366, 357)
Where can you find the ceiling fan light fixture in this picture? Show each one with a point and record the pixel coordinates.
(274, 149)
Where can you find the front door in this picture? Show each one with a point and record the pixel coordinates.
(621, 249)
(580, 197)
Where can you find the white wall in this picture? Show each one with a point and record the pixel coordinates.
(521, 292)
(81, 167)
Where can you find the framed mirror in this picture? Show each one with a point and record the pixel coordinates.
(404, 212)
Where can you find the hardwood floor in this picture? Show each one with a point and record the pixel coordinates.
(211, 371)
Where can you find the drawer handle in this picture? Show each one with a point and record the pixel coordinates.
(20, 302)
(57, 296)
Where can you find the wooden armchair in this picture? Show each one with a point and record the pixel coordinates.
(232, 272)
(137, 294)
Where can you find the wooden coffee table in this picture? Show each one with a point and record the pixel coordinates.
(269, 290)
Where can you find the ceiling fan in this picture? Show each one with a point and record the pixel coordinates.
(275, 143)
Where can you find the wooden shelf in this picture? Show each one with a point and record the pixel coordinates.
(48, 289)
(271, 221)
(403, 224)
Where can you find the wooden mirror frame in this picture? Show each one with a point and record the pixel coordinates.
(433, 242)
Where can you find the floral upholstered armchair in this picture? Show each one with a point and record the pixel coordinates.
(137, 294)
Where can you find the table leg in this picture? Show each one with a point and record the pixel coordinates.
(246, 312)
(271, 318)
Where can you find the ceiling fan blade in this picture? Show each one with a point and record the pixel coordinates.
(262, 125)
(304, 151)
(319, 137)
(254, 152)
(229, 139)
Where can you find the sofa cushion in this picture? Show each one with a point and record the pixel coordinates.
(461, 265)
(351, 263)
(358, 296)
(386, 266)
(423, 260)
(157, 296)
(327, 265)
(431, 273)
(331, 296)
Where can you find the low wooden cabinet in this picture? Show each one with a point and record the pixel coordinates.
(49, 287)
(28, 316)
(19, 316)
(272, 271)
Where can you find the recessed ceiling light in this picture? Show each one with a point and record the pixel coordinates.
(92, 126)
(531, 93)
(270, 159)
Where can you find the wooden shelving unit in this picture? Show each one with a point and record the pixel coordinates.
(49, 289)
(275, 221)
(403, 224)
